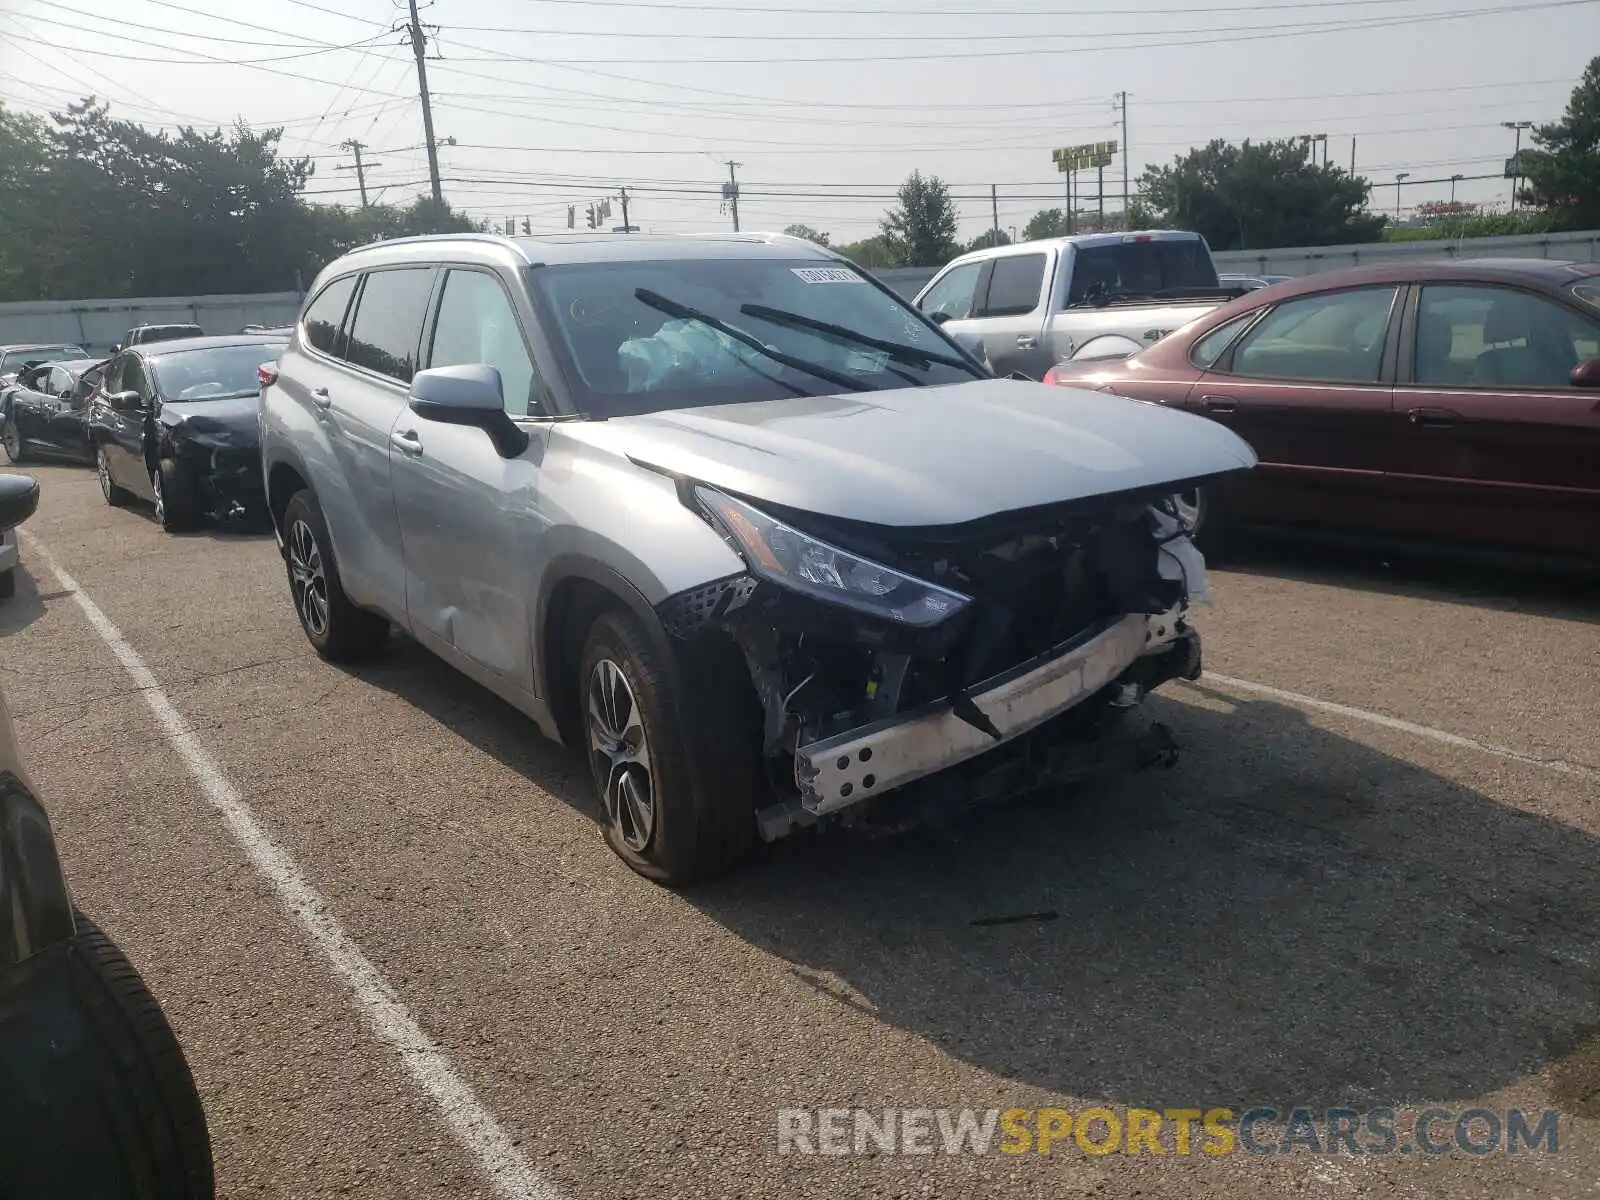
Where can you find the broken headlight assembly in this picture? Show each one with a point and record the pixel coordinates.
(784, 555)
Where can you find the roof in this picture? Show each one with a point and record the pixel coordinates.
(563, 248)
(1545, 271)
(215, 342)
(16, 346)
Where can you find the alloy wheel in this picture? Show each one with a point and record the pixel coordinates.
(308, 580)
(161, 501)
(621, 755)
(103, 469)
(13, 442)
(1190, 509)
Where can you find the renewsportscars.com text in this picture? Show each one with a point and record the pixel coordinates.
(1376, 1132)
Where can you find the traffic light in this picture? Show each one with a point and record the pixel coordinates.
(526, 227)
(572, 216)
(594, 218)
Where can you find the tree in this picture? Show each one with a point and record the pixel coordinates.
(1046, 223)
(922, 231)
(1260, 194)
(872, 253)
(1563, 167)
(988, 239)
(810, 234)
(91, 205)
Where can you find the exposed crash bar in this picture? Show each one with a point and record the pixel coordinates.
(860, 763)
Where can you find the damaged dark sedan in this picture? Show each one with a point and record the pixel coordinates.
(725, 514)
(174, 423)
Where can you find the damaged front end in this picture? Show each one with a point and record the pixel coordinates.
(882, 657)
(222, 464)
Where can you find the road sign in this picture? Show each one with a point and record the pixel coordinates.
(1080, 158)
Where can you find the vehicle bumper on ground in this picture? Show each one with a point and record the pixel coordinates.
(1136, 651)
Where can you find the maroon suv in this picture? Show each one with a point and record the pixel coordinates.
(1443, 403)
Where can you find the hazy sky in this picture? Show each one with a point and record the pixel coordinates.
(826, 106)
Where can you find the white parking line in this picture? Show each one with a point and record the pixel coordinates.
(1560, 766)
(510, 1174)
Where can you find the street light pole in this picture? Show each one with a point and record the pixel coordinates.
(1516, 156)
(1400, 177)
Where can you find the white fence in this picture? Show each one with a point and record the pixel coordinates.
(97, 324)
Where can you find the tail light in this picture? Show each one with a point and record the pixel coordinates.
(1050, 376)
(266, 375)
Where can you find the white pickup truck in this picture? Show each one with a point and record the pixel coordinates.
(1100, 295)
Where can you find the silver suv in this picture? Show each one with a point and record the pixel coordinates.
(727, 515)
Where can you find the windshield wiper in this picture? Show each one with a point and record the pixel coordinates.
(899, 352)
(684, 313)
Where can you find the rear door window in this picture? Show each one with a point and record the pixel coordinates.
(1014, 286)
(387, 327)
(1332, 338)
(1496, 337)
(324, 319)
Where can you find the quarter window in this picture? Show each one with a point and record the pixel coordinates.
(954, 294)
(326, 315)
(1333, 338)
(388, 322)
(477, 324)
(1208, 349)
(1015, 285)
(1499, 338)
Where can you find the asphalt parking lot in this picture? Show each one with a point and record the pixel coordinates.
(1388, 898)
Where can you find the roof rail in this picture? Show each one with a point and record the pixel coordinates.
(493, 239)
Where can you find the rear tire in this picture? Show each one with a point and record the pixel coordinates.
(116, 495)
(337, 628)
(694, 722)
(16, 445)
(8, 584)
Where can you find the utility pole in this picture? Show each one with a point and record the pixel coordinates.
(1399, 178)
(1352, 156)
(627, 226)
(1126, 197)
(360, 167)
(1454, 179)
(419, 47)
(1101, 168)
(1516, 156)
(994, 209)
(730, 192)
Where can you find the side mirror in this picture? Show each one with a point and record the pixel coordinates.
(116, 347)
(468, 395)
(125, 401)
(1586, 374)
(939, 318)
(19, 497)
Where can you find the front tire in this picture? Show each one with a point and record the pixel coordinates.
(674, 752)
(177, 504)
(338, 629)
(16, 445)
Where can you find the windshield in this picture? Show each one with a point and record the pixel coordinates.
(641, 337)
(216, 373)
(1140, 269)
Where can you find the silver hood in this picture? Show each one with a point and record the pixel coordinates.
(931, 456)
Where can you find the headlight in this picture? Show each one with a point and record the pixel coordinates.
(782, 554)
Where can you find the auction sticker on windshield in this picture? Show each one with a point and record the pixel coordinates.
(827, 275)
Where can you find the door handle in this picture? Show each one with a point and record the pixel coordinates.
(407, 442)
(1433, 418)
(320, 397)
(1218, 404)
(1026, 341)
